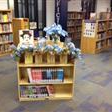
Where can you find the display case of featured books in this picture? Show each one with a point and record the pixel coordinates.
(45, 81)
(6, 37)
(46, 67)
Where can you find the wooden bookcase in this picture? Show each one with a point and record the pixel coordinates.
(74, 24)
(6, 37)
(63, 90)
(96, 36)
(19, 24)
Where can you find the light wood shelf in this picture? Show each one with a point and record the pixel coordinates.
(55, 97)
(101, 39)
(5, 53)
(5, 32)
(45, 65)
(63, 90)
(7, 42)
(25, 82)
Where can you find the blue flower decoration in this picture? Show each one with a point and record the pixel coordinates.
(55, 29)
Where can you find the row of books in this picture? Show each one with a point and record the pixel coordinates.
(78, 29)
(110, 33)
(7, 17)
(6, 38)
(72, 35)
(100, 44)
(75, 15)
(70, 23)
(101, 35)
(5, 28)
(74, 23)
(70, 30)
(110, 25)
(37, 91)
(109, 41)
(45, 75)
(4, 48)
(101, 26)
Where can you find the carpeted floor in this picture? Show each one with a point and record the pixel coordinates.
(93, 88)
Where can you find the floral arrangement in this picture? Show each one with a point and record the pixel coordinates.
(55, 31)
(18, 51)
(43, 47)
(75, 52)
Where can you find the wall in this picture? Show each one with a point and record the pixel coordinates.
(102, 5)
(74, 5)
(50, 12)
(3, 4)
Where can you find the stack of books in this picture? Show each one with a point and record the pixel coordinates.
(47, 75)
(37, 91)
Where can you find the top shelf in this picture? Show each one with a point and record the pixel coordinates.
(5, 22)
(74, 18)
(44, 65)
(8, 10)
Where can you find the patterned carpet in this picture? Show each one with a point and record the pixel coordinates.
(93, 88)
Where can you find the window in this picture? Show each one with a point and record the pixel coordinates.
(35, 10)
(88, 6)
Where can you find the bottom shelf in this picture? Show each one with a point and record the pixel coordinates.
(5, 53)
(46, 92)
(57, 96)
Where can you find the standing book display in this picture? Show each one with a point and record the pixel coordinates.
(96, 36)
(41, 80)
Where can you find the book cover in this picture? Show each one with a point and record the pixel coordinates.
(60, 74)
(29, 74)
(51, 90)
(5, 18)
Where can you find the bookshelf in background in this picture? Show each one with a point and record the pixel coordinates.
(53, 81)
(6, 37)
(74, 24)
(96, 36)
(19, 24)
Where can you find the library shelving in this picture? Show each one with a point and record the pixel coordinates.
(74, 24)
(105, 15)
(96, 35)
(19, 24)
(6, 37)
(45, 81)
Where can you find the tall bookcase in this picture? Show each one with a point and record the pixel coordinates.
(96, 36)
(19, 24)
(63, 90)
(6, 37)
(74, 24)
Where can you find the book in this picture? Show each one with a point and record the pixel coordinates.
(29, 74)
(5, 18)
